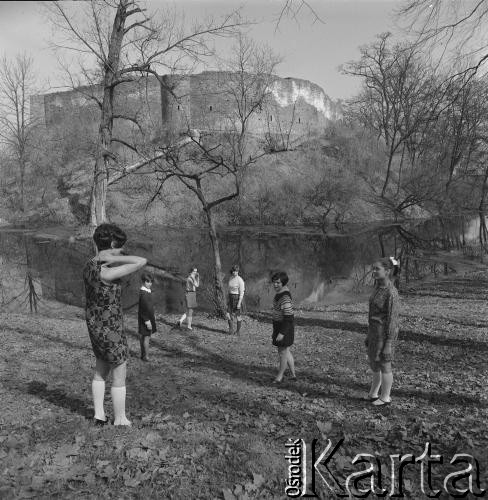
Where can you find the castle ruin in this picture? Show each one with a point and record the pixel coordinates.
(199, 101)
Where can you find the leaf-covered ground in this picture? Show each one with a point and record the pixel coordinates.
(207, 421)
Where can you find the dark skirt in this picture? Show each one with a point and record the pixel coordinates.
(191, 300)
(232, 302)
(287, 329)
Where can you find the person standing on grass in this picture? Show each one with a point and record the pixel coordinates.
(383, 322)
(145, 315)
(103, 311)
(283, 325)
(191, 285)
(234, 303)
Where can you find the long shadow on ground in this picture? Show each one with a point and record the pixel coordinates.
(59, 398)
(406, 335)
(311, 383)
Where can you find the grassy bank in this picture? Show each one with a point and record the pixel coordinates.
(207, 421)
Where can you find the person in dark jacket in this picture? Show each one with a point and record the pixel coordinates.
(146, 319)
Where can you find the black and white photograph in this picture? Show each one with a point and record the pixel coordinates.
(243, 249)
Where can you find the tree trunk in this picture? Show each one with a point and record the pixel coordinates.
(483, 233)
(388, 173)
(220, 304)
(22, 184)
(104, 155)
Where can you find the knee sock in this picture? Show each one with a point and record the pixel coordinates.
(118, 400)
(98, 392)
(291, 364)
(282, 368)
(188, 321)
(375, 385)
(182, 319)
(386, 383)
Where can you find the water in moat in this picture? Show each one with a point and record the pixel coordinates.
(324, 269)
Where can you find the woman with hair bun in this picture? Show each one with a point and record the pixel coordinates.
(383, 324)
(104, 320)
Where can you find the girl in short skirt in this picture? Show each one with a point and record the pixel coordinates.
(283, 325)
(236, 288)
(383, 322)
(191, 285)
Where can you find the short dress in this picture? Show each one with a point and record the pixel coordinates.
(383, 322)
(283, 319)
(104, 319)
(191, 293)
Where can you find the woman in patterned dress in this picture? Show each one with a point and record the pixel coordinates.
(283, 325)
(383, 320)
(104, 318)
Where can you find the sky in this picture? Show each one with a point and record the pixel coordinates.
(310, 49)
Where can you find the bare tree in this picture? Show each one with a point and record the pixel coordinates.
(459, 27)
(119, 42)
(399, 96)
(212, 163)
(293, 8)
(17, 80)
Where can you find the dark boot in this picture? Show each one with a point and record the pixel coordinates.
(238, 329)
(231, 327)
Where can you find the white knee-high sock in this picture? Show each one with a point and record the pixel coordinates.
(118, 400)
(98, 392)
(386, 383)
(375, 385)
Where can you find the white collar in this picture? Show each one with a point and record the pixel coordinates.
(145, 289)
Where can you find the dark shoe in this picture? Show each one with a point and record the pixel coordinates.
(100, 423)
(177, 326)
(371, 399)
(145, 358)
(293, 379)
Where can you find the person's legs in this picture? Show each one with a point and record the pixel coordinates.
(118, 394)
(183, 317)
(291, 362)
(230, 323)
(189, 315)
(239, 323)
(146, 345)
(386, 382)
(283, 357)
(102, 371)
(143, 347)
(375, 385)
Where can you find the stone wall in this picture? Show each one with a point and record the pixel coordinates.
(202, 101)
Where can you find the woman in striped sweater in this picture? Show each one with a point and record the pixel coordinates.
(283, 325)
